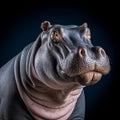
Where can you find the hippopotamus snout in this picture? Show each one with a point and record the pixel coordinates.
(96, 63)
(96, 57)
(97, 52)
(87, 65)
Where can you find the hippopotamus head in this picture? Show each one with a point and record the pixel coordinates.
(67, 55)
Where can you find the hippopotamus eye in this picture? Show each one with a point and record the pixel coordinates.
(85, 31)
(56, 36)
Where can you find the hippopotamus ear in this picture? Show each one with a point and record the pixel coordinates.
(86, 31)
(45, 25)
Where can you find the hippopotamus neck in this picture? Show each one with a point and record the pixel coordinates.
(58, 104)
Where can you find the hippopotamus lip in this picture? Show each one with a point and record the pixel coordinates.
(96, 68)
(86, 78)
(91, 75)
(89, 78)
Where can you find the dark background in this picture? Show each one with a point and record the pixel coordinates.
(20, 25)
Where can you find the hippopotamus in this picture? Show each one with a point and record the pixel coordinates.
(46, 80)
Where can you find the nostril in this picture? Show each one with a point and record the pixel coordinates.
(82, 52)
(102, 52)
(98, 52)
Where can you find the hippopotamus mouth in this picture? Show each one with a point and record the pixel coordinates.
(88, 76)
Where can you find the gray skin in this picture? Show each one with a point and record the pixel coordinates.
(61, 60)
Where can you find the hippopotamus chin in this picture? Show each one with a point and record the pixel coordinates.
(45, 80)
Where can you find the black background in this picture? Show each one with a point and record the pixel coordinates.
(20, 25)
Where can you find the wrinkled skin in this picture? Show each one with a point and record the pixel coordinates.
(45, 81)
